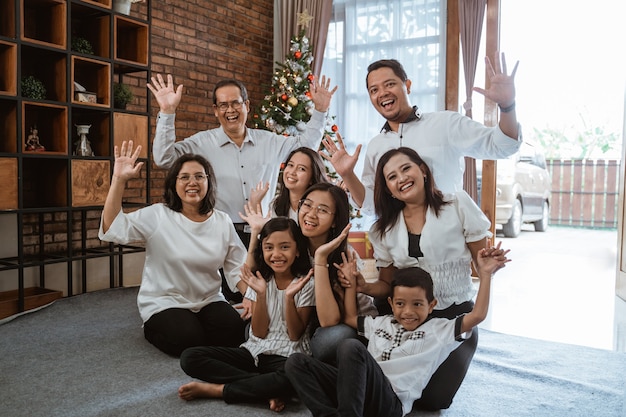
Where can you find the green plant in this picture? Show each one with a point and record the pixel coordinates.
(122, 95)
(81, 45)
(33, 88)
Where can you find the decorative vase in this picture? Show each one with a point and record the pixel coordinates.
(83, 146)
(122, 6)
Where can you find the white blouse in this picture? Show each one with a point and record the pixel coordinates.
(443, 243)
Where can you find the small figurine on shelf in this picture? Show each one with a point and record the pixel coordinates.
(32, 143)
(83, 146)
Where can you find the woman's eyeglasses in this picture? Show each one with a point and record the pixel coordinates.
(185, 179)
(322, 210)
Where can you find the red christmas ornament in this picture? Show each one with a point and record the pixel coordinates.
(334, 128)
(298, 54)
(308, 94)
(310, 77)
(284, 97)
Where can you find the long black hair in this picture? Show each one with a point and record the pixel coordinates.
(318, 174)
(301, 264)
(172, 200)
(387, 208)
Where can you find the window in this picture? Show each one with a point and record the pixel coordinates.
(363, 31)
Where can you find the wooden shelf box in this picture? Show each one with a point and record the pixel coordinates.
(8, 184)
(50, 67)
(8, 68)
(51, 122)
(95, 76)
(44, 182)
(100, 3)
(133, 127)
(99, 134)
(91, 181)
(44, 22)
(8, 126)
(7, 18)
(93, 26)
(130, 41)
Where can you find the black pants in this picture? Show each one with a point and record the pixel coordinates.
(235, 368)
(447, 379)
(176, 329)
(232, 296)
(356, 387)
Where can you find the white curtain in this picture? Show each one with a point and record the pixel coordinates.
(363, 31)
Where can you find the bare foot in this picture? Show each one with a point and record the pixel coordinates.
(193, 390)
(276, 404)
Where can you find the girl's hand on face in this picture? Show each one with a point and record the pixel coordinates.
(326, 249)
(256, 282)
(296, 285)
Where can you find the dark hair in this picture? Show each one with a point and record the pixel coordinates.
(318, 174)
(172, 200)
(233, 82)
(413, 277)
(388, 209)
(301, 264)
(395, 66)
(340, 221)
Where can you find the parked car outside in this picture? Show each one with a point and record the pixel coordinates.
(523, 188)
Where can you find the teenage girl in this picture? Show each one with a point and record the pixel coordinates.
(282, 295)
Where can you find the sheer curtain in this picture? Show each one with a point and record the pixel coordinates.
(363, 31)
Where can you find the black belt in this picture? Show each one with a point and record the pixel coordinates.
(242, 227)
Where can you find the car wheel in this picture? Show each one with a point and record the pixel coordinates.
(513, 227)
(542, 225)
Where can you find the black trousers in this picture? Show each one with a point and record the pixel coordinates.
(356, 387)
(244, 381)
(447, 379)
(176, 329)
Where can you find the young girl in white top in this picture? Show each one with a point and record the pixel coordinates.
(282, 294)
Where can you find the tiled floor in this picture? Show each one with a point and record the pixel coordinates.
(560, 286)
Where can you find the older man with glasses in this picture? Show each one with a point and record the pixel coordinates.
(241, 157)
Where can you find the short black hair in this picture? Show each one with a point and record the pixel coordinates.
(394, 64)
(233, 82)
(413, 277)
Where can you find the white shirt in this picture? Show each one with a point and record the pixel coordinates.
(442, 139)
(277, 341)
(183, 257)
(443, 243)
(409, 359)
(237, 170)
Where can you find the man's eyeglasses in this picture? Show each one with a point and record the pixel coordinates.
(196, 177)
(306, 206)
(235, 104)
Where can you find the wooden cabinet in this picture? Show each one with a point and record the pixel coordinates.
(59, 62)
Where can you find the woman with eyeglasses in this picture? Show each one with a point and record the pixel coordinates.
(187, 240)
(324, 219)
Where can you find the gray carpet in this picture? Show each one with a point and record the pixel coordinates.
(86, 356)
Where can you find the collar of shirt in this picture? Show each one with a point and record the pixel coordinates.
(416, 114)
(224, 139)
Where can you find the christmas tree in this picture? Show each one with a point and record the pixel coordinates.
(288, 106)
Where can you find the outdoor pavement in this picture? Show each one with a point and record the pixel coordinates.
(559, 286)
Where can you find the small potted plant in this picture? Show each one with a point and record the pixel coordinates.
(122, 95)
(82, 45)
(33, 88)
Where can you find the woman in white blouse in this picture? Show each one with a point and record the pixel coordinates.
(187, 241)
(420, 226)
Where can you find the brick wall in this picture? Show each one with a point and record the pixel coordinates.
(199, 43)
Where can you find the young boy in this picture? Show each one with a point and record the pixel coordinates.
(404, 349)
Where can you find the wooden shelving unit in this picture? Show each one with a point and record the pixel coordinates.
(49, 194)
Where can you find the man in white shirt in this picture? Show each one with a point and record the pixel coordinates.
(441, 138)
(241, 157)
